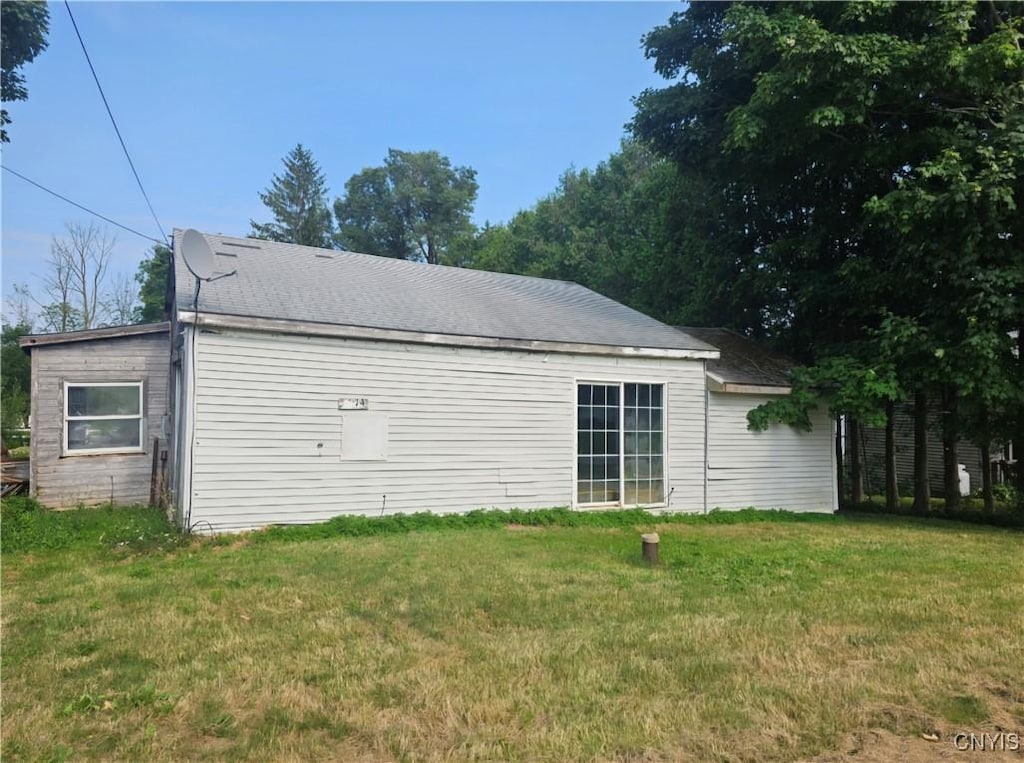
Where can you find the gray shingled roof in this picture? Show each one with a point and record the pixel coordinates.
(742, 360)
(300, 283)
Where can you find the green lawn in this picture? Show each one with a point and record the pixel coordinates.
(775, 640)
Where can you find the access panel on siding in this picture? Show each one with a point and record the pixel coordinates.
(364, 436)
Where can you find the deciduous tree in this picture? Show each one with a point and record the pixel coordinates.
(416, 206)
(24, 25)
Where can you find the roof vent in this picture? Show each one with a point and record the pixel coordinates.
(226, 254)
(240, 246)
(324, 256)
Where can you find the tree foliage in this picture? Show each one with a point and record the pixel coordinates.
(24, 25)
(635, 229)
(15, 381)
(416, 206)
(297, 198)
(152, 277)
(870, 153)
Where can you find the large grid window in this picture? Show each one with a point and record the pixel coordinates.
(620, 443)
(644, 444)
(597, 443)
(103, 417)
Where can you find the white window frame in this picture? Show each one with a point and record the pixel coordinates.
(621, 503)
(141, 416)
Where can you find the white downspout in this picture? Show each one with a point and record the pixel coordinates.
(707, 419)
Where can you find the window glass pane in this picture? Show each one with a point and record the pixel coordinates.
(656, 467)
(631, 394)
(583, 394)
(630, 422)
(643, 419)
(643, 442)
(612, 396)
(611, 467)
(583, 491)
(631, 467)
(583, 443)
(611, 442)
(583, 468)
(655, 395)
(103, 401)
(630, 496)
(597, 469)
(599, 418)
(598, 395)
(656, 419)
(105, 433)
(656, 443)
(643, 394)
(611, 491)
(643, 470)
(583, 418)
(612, 417)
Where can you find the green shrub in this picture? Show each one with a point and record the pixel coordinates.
(361, 526)
(27, 526)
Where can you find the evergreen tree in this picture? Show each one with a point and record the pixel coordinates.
(298, 200)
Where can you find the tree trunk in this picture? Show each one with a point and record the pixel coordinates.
(856, 473)
(986, 477)
(1018, 436)
(950, 435)
(922, 483)
(839, 462)
(892, 491)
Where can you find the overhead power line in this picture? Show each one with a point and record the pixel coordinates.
(83, 208)
(113, 121)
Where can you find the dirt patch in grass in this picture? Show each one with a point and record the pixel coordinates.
(516, 528)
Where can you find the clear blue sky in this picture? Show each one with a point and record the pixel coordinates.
(210, 96)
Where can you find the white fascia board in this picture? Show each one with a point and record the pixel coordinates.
(717, 384)
(276, 325)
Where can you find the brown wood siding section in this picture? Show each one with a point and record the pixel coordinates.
(65, 481)
(968, 454)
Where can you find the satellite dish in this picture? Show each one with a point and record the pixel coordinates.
(197, 254)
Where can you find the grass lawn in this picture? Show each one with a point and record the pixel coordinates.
(781, 640)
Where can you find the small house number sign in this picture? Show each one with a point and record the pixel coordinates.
(353, 404)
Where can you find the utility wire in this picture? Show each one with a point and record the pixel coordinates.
(84, 209)
(114, 122)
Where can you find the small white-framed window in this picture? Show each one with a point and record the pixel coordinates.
(102, 417)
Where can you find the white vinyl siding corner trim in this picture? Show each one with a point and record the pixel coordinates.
(139, 417)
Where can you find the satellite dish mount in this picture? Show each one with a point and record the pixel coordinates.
(199, 257)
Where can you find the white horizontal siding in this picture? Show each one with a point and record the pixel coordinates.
(779, 468)
(468, 428)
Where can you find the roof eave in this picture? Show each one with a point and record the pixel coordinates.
(277, 325)
(717, 383)
(29, 341)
